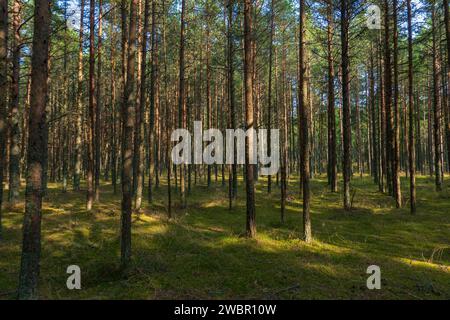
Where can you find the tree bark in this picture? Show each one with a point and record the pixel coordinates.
(14, 128)
(332, 156)
(139, 145)
(347, 131)
(437, 110)
(284, 131)
(3, 94)
(269, 104)
(375, 141)
(304, 127)
(412, 143)
(396, 154)
(153, 100)
(128, 119)
(231, 100)
(390, 149)
(447, 34)
(79, 107)
(249, 116)
(98, 105)
(37, 149)
(182, 97)
(92, 108)
(168, 121)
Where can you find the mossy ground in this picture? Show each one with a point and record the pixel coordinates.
(201, 254)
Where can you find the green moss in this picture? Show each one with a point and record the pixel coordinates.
(201, 254)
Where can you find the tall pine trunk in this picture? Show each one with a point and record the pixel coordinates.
(3, 94)
(249, 117)
(231, 100)
(284, 131)
(412, 143)
(437, 106)
(389, 118)
(347, 130)
(396, 154)
(37, 149)
(14, 131)
(182, 97)
(79, 107)
(447, 34)
(98, 105)
(139, 145)
(332, 156)
(269, 102)
(304, 127)
(92, 108)
(128, 119)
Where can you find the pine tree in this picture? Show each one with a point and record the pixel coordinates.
(37, 149)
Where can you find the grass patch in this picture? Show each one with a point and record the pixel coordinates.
(201, 255)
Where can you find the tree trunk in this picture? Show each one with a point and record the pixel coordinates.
(182, 98)
(79, 107)
(284, 131)
(304, 127)
(347, 130)
(412, 150)
(396, 154)
(332, 156)
(249, 117)
(209, 115)
(437, 110)
(231, 100)
(447, 33)
(375, 141)
(114, 130)
(37, 149)
(98, 105)
(128, 119)
(3, 94)
(390, 149)
(92, 108)
(358, 130)
(269, 104)
(14, 128)
(139, 145)
(168, 121)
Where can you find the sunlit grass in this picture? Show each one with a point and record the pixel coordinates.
(202, 254)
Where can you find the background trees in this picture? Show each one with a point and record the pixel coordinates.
(350, 100)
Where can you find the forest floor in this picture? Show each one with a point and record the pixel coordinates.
(201, 254)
